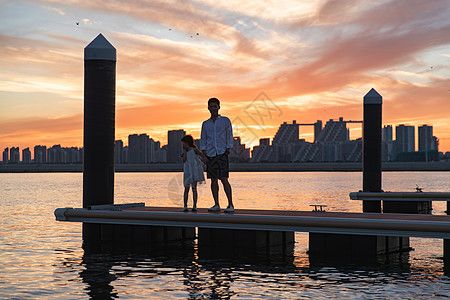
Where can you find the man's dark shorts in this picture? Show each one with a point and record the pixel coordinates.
(218, 166)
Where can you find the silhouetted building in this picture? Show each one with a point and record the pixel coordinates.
(387, 144)
(334, 131)
(14, 155)
(386, 133)
(239, 153)
(426, 139)
(56, 155)
(73, 155)
(174, 146)
(317, 129)
(404, 139)
(6, 155)
(125, 155)
(26, 156)
(160, 155)
(286, 134)
(40, 154)
(140, 149)
(286, 142)
(264, 142)
(264, 152)
(331, 144)
(59, 155)
(118, 152)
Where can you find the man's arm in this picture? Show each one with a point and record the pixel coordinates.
(229, 136)
(203, 138)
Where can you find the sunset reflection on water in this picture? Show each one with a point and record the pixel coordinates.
(41, 258)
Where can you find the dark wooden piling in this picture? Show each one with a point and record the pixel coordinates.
(99, 122)
(446, 250)
(99, 130)
(372, 148)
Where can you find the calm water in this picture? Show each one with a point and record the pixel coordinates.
(43, 259)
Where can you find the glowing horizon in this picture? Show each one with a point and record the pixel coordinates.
(315, 61)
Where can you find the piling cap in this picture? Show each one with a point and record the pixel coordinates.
(372, 97)
(100, 49)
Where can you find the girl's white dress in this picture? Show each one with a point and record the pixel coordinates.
(193, 169)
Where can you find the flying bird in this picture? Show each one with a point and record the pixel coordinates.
(78, 23)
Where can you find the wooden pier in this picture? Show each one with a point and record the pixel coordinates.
(409, 225)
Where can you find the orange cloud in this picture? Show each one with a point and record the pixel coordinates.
(314, 62)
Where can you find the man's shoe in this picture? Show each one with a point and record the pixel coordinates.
(214, 208)
(229, 209)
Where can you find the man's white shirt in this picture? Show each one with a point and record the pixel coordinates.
(217, 136)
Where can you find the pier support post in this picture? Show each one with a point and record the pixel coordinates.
(447, 249)
(251, 244)
(372, 148)
(343, 245)
(99, 122)
(99, 129)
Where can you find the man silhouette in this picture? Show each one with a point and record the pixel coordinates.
(216, 143)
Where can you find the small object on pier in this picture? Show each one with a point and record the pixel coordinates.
(318, 207)
(115, 207)
(418, 189)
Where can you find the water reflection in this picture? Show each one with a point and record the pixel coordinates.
(98, 277)
(131, 272)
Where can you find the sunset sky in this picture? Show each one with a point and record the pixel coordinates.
(267, 61)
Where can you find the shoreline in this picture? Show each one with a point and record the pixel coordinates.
(234, 167)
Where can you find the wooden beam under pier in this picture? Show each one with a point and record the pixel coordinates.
(425, 226)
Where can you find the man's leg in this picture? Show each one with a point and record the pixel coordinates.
(227, 189)
(215, 190)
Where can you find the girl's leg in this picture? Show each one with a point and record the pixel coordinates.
(186, 195)
(194, 195)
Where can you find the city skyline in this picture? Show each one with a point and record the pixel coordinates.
(309, 58)
(147, 150)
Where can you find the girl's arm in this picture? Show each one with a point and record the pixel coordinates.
(183, 156)
(201, 155)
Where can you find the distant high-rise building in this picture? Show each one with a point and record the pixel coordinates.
(125, 156)
(239, 153)
(386, 133)
(405, 139)
(287, 134)
(174, 145)
(264, 142)
(26, 156)
(334, 131)
(6, 155)
(118, 152)
(387, 144)
(426, 138)
(264, 152)
(138, 148)
(160, 155)
(64, 155)
(56, 155)
(73, 155)
(14, 155)
(141, 149)
(40, 154)
(317, 129)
